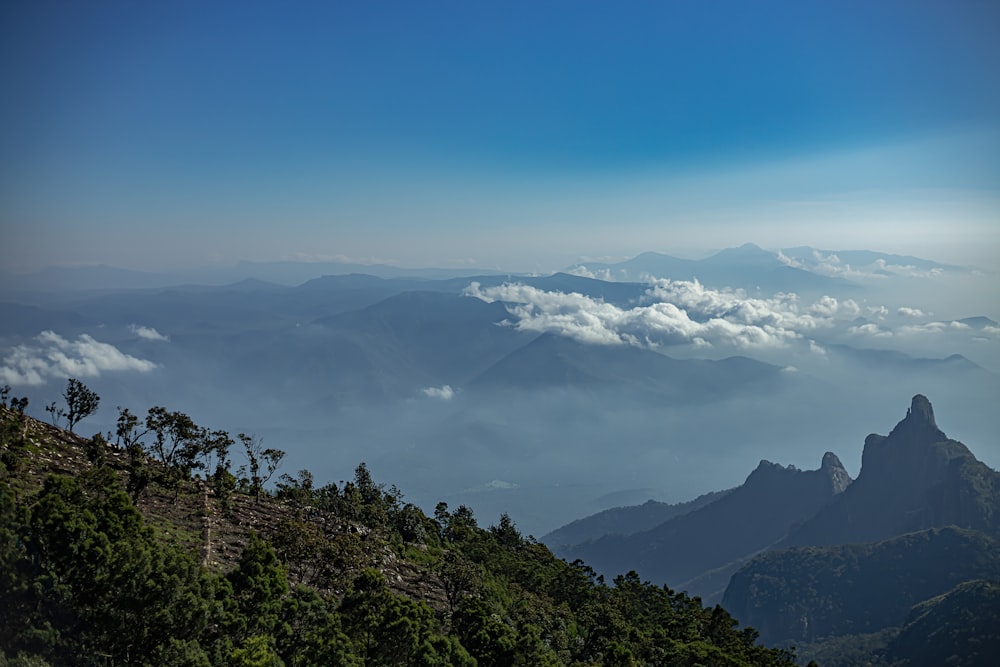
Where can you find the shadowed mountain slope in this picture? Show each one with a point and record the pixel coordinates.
(556, 361)
(808, 593)
(697, 551)
(625, 520)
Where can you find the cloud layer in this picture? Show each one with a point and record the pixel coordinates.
(52, 356)
(680, 312)
(671, 313)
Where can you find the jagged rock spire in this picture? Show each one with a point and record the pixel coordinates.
(919, 423)
(920, 409)
(836, 472)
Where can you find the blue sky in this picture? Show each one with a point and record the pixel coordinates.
(515, 135)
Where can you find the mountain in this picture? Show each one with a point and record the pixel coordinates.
(625, 520)
(429, 338)
(748, 267)
(698, 551)
(960, 627)
(23, 320)
(857, 259)
(555, 361)
(103, 277)
(896, 363)
(912, 479)
(922, 517)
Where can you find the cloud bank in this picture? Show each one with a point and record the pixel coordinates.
(673, 312)
(56, 357)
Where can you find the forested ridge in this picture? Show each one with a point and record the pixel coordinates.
(146, 547)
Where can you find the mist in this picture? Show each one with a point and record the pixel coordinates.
(548, 398)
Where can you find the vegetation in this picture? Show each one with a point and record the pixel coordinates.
(809, 593)
(344, 574)
(961, 627)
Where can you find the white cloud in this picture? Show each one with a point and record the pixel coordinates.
(829, 306)
(870, 329)
(933, 328)
(55, 357)
(445, 392)
(671, 313)
(601, 274)
(788, 261)
(907, 269)
(881, 312)
(149, 333)
(904, 311)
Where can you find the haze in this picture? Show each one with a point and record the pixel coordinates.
(208, 143)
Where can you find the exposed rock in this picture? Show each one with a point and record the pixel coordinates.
(834, 469)
(912, 479)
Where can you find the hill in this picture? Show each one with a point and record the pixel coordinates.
(152, 550)
(808, 593)
(625, 520)
(553, 361)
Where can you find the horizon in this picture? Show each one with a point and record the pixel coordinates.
(520, 138)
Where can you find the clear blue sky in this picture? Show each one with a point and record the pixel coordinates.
(514, 134)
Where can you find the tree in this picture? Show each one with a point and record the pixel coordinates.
(127, 432)
(506, 532)
(176, 438)
(263, 462)
(81, 402)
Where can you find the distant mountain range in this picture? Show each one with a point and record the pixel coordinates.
(748, 266)
(408, 367)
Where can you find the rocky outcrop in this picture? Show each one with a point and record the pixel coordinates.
(835, 471)
(914, 478)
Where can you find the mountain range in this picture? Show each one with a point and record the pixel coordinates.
(815, 559)
(523, 385)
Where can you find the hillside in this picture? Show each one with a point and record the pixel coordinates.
(698, 550)
(808, 593)
(625, 520)
(151, 550)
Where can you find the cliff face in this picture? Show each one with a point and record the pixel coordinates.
(914, 478)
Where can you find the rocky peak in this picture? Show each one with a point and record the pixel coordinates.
(921, 410)
(766, 470)
(834, 469)
(919, 423)
(912, 479)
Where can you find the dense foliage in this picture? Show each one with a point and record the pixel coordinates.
(86, 579)
(808, 593)
(960, 628)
